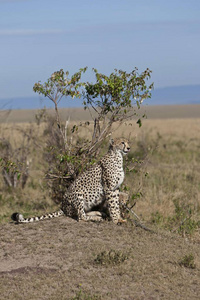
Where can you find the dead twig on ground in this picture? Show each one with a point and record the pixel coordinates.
(138, 221)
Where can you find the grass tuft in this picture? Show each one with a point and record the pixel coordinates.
(111, 257)
(82, 295)
(187, 261)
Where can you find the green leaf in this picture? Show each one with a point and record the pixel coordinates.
(139, 122)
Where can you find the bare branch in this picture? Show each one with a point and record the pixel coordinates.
(66, 127)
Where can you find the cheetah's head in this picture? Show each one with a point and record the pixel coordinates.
(121, 145)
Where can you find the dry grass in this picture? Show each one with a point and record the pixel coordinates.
(56, 259)
(169, 148)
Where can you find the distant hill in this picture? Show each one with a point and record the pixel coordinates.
(36, 102)
(189, 94)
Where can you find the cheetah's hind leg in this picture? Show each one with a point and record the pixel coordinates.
(95, 216)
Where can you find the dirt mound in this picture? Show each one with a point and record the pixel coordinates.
(64, 259)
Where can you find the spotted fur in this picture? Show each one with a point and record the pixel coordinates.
(96, 186)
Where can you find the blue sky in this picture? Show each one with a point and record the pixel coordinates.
(38, 37)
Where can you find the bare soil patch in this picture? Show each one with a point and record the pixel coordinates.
(55, 259)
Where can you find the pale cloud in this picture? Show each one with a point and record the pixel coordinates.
(7, 1)
(25, 32)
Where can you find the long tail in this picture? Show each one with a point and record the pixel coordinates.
(18, 218)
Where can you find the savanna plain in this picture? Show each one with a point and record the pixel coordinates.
(65, 259)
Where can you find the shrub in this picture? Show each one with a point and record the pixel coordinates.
(110, 99)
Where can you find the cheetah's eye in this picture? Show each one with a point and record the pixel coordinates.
(123, 143)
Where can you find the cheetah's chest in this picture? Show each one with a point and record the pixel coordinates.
(120, 178)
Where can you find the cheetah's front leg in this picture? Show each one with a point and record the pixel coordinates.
(113, 206)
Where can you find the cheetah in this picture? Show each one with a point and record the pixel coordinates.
(97, 186)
